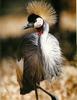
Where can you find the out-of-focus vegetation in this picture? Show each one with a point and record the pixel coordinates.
(12, 18)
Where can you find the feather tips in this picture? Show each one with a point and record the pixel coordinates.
(42, 9)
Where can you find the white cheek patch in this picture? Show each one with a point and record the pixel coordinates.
(38, 23)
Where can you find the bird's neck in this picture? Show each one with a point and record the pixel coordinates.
(45, 31)
(45, 28)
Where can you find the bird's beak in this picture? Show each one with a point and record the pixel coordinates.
(29, 25)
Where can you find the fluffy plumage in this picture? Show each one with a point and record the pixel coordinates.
(42, 9)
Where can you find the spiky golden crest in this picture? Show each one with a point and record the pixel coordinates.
(42, 9)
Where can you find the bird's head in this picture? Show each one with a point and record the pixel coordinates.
(39, 13)
(35, 21)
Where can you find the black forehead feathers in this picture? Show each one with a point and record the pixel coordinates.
(32, 18)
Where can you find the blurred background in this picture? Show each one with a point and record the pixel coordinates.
(12, 19)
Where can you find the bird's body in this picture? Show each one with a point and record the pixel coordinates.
(42, 58)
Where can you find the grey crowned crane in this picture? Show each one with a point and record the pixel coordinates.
(40, 50)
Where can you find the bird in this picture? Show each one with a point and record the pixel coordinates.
(40, 50)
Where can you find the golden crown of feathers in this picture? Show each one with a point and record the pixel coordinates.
(42, 9)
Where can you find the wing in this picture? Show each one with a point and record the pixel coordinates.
(32, 69)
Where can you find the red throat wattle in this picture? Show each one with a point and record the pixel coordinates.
(40, 30)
